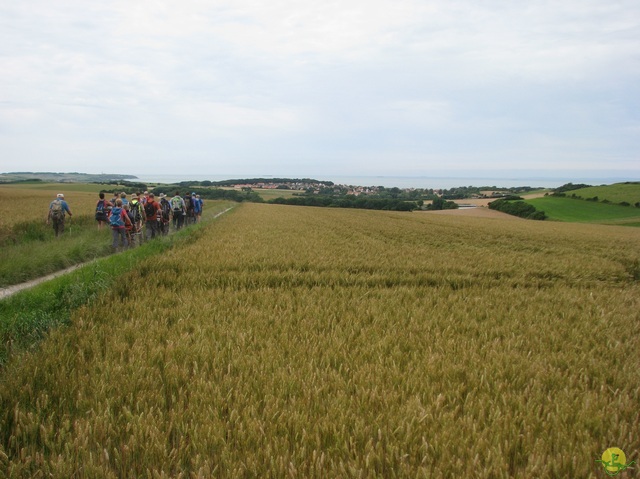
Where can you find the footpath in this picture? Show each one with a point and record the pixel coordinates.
(16, 288)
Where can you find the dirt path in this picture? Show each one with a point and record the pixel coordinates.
(15, 288)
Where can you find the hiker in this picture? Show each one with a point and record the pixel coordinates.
(102, 211)
(128, 225)
(138, 218)
(165, 217)
(197, 208)
(152, 210)
(57, 209)
(118, 220)
(178, 210)
(123, 197)
(188, 206)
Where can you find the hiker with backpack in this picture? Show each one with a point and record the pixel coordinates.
(136, 209)
(128, 225)
(188, 204)
(165, 217)
(57, 210)
(152, 210)
(102, 211)
(197, 207)
(118, 220)
(178, 210)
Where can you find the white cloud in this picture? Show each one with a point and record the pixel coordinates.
(349, 83)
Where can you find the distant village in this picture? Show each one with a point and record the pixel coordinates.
(305, 186)
(313, 187)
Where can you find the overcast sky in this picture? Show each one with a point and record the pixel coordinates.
(352, 87)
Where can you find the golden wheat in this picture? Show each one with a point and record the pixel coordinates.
(30, 203)
(303, 342)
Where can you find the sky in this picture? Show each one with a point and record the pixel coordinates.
(310, 88)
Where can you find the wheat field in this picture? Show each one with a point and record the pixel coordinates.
(20, 203)
(305, 342)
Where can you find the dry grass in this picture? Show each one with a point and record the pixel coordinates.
(304, 342)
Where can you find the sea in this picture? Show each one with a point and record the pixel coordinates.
(425, 182)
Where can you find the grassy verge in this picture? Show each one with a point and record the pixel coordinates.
(29, 250)
(27, 316)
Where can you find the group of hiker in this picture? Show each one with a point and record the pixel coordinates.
(131, 220)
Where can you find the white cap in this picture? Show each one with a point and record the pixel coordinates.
(60, 195)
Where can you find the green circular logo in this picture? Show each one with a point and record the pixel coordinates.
(614, 461)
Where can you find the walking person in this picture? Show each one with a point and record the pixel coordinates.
(152, 210)
(177, 210)
(188, 204)
(165, 208)
(137, 213)
(118, 221)
(197, 208)
(128, 227)
(102, 211)
(57, 210)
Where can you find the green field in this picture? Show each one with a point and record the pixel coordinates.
(616, 193)
(577, 210)
(315, 342)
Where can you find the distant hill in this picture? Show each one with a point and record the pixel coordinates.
(50, 177)
(617, 193)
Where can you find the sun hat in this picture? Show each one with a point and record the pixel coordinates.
(60, 195)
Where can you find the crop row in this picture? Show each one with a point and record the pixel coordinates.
(301, 342)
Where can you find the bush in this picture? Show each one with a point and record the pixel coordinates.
(517, 208)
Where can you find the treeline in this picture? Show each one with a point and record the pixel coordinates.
(348, 201)
(569, 187)
(441, 204)
(515, 207)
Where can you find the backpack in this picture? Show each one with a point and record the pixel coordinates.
(115, 219)
(176, 204)
(57, 212)
(100, 207)
(149, 209)
(166, 208)
(187, 202)
(136, 214)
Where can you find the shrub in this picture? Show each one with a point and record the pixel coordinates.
(517, 208)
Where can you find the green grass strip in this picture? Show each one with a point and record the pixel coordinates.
(26, 316)
(575, 210)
